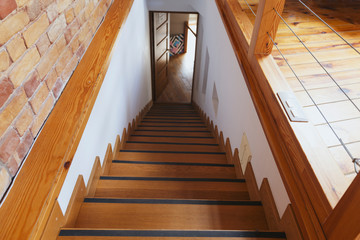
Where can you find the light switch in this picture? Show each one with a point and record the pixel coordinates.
(292, 108)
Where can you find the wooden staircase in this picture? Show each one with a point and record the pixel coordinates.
(171, 181)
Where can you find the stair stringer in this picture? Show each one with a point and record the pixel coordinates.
(287, 222)
(57, 219)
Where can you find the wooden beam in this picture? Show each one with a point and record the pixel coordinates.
(25, 211)
(266, 23)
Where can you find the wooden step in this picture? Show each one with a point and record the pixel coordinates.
(176, 132)
(172, 123)
(168, 146)
(173, 127)
(196, 118)
(164, 120)
(173, 152)
(119, 234)
(161, 137)
(170, 157)
(171, 115)
(167, 214)
(173, 111)
(172, 188)
(171, 169)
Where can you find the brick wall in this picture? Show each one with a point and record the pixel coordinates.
(41, 43)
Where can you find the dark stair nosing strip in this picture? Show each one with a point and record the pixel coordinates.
(201, 126)
(162, 130)
(175, 163)
(170, 143)
(170, 233)
(175, 152)
(172, 201)
(173, 179)
(134, 135)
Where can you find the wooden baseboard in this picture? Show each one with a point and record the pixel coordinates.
(288, 222)
(57, 220)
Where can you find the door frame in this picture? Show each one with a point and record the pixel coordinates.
(152, 50)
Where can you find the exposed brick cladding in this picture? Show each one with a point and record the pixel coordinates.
(41, 43)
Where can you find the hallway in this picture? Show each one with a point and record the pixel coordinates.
(181, 71)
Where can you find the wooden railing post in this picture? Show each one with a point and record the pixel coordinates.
(266, 21)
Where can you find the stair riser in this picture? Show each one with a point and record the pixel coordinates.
(172, 147)
(163, 132)
(172, 189)
(163, 216)
(168, 157)
(151, 170)
(173, 140)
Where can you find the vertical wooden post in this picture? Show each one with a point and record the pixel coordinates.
(266, 21)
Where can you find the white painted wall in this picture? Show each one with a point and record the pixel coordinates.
(125, 91)
(236, 112)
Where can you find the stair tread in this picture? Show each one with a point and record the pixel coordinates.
(133, 145)
(166, 170)
(169, 157)
(171, 216)
(172, 189)
(173, 133)
(171, 181)
(161, 138)
(170, 234)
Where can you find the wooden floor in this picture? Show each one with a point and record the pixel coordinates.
(170, 181)
(181, 71)
(342, 62)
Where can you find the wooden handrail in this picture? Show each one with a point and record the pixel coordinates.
(27, 207)
(311, 205)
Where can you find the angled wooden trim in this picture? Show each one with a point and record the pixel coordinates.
(289, 225)
(55, 222)
(94, 177)
(107, 160)
(236, 160)
(252, 186)
(271, 212)
(343, 222)
(117, 145)
(228, 151)
(38, 183)
(57, 219)
(77, 198)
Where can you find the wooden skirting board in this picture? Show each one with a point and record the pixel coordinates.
(287, 222)
(57, 219)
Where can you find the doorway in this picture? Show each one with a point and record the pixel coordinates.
(173, 49)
